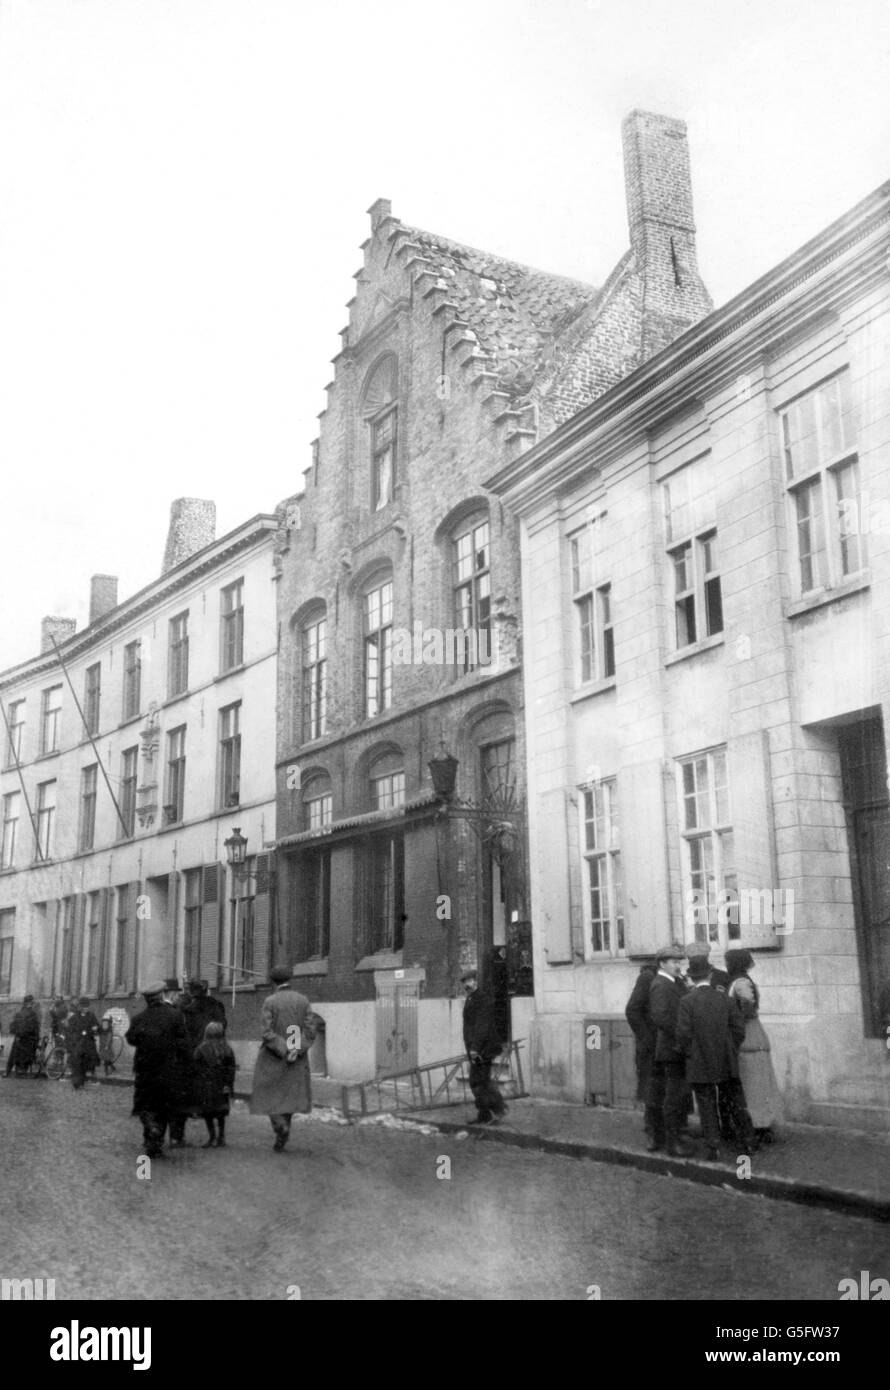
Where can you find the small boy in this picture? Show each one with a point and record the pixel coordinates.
(215, 1062)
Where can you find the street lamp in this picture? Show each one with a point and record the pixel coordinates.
(236, 853)
(443, 771)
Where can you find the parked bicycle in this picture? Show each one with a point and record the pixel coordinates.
(50, 1059)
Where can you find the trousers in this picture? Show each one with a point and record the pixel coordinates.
(666, 1100)
(486, 1094)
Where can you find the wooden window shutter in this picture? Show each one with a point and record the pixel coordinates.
(262, 915)
(211, 922)
(80, 904)
(553, 810)
(641, 827)
(102, 945)
(754, 843)
(54, 951)
(133, 928)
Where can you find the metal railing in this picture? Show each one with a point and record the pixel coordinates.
(432, 1085)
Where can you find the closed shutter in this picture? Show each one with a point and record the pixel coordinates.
(647, 916)
(77, 946)
(133, 928)
(102, 982)
(52, 945)
(210, 924)
(553, 874)
(262, 914)
(754, 845)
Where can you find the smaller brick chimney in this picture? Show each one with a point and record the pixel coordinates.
(379, 211)
(60, 628)
(192, 526)
(103, 595)
(662, 230)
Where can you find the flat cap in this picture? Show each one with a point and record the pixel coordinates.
(154, 987)
(671, 951)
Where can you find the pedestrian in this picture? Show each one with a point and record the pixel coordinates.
(200, 1008)
(668, 1091)
(483, 1043)
(105, 1044)
(216, 1066)
(281, 1080)
(640, 1019)
(161, 1065)
(80, 1043)
(756, 1073)
(25, 1030)
(59, 1015)
(708, 1032)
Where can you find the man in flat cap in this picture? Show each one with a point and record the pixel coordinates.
(483, 1043)
(161, 1065)
(281, 1081)
(668, 1092)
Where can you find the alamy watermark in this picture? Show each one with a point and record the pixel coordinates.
(466, 647)
(747, 907)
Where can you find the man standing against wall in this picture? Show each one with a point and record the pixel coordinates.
(483, 1044)
(668, 1091)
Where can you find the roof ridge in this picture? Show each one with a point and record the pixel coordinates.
(450, 245)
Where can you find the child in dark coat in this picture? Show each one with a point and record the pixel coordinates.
(215, 1062)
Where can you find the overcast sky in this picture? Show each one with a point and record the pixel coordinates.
(183, 194)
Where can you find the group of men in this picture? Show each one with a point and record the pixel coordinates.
(72, 1022)
(688, 1032)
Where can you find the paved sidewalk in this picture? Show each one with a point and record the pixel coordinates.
(841, 1170)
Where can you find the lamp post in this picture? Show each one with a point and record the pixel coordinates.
(236, 854)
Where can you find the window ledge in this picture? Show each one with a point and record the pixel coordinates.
(43, 757)
(311, 967)
(175, 699)
(121, 994)
(590, 688)
(130, 719)
(232, 671)
(707, 644)
(824, 596)
(10, 869)
(384, 960)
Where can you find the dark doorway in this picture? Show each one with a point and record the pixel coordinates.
(867, 804)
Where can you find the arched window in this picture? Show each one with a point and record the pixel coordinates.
(317, 802)
(382, 917)
(314, 677)
(386, 782)
(380, 413)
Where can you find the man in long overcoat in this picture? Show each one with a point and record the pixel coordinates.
(25, 1030)
(198, 1008)
(161, 1065)
(638, 1016)
(709, 1030)
(483, 1043)
(80, 1041)
(281, 1080)
(668, 1091)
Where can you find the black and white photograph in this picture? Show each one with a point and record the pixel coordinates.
(445, 661)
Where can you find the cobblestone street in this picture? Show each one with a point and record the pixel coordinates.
(358, 1212)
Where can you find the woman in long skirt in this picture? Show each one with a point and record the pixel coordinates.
(755, 1060)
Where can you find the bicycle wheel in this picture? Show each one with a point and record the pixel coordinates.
(55, 1064)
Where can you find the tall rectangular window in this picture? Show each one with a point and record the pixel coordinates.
(92, 695)
(315, 874)
(231, 609)
(383, 458)
(129, 772)
(689, 511)
(314, 679)
(122, 937)
(15, 717)
(46, 820)
(69, 918)
(388, 791)
(88, 786)
(230, 755)
(91, 943)
(11, 813)
(7, 942)
(384, 897)
(707, 847)
(174, 793)
(472, 593)
(132, 680)
(318, 810)
(51, 719)
(828, 506)
(192, 934)
(592, 602)
(602, 855)
(178, 655)
(378, 649)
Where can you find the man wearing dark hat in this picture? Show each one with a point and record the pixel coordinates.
(161, 1065)
(668, 1091)
(25, 1030)
(483, 1043)
(709, 1031)
(638, 1016)
(198, 1008)
(80, 1042)
(281, 1080)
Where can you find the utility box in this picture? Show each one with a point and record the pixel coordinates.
(610, 1071)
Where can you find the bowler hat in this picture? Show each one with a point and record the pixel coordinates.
(699, 967)
(83, 1003)
(281, 974)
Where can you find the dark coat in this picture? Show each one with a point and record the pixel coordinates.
(638, 1012)
(664, 1003)
(163, 1059)
(200, 1010)
(215, 1067)
(481, 1033)
(710, 1028)
(80, 1038)
(26, 1024)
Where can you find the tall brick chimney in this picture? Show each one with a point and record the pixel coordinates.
(103, 595)
(192, 526)
(60, 628)
(662, 229)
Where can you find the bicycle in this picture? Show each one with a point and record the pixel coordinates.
(50, 1059)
